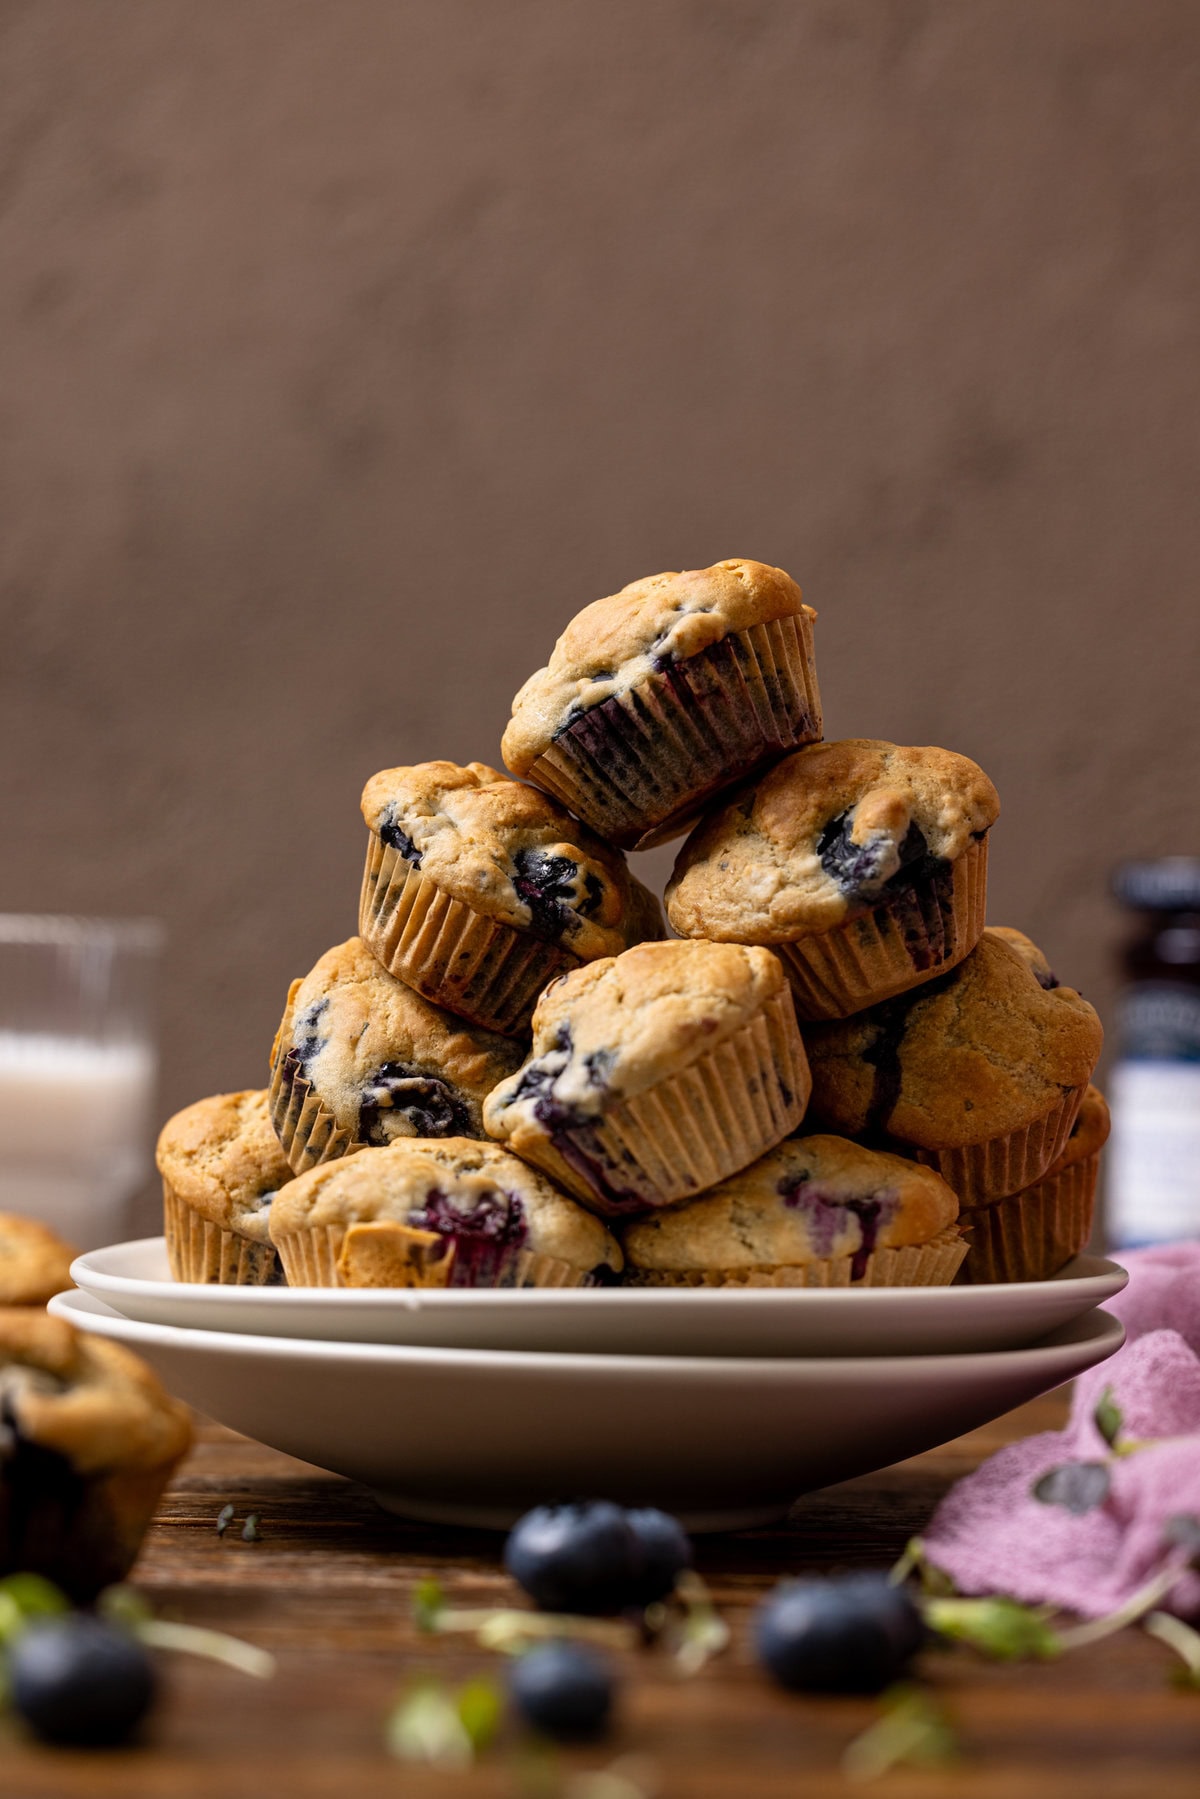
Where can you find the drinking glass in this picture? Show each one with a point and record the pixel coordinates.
(78, 1066)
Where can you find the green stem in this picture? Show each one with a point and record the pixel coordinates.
(1177, 1636)
(1135, 1607)
(191, 1639)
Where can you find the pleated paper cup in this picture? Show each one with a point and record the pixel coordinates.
(932, 1264)
(690, 1130)
(307, 1130)
(909, 937)
(1031, 1235)
(383, 1253)
(481, 968)
(637, 767)
(981, 1173)
(199, 1250)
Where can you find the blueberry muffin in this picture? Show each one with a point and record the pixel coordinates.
(661, 695)
(35, 1263)
(980, 1072)
(361, 1059)
(478, 890)
(1031, 1235)
(815, 1212)
(88, 1441)
(862, 864)
(446, 1212)
(221, 1166)
(655, 1074)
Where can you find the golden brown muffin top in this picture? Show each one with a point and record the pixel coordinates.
(512, 853)
(85, 1398)
(223, 1158)
(35, 1263)
(611, 1029)
(446, 1185)
(385, 1062)
(616, 642)
(820, 836)
(1089, 1133)
(811, 1199)
(972, 1055)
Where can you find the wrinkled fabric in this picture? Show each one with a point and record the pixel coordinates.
(992, 1536)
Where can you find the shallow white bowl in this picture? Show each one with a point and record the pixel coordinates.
(474, 1437)
(133, 1278)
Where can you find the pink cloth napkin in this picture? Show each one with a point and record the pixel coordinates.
(992, 1536)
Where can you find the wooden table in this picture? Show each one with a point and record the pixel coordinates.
(329, 1589)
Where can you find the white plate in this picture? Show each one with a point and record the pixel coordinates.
(463, 1436)
(133, 1278)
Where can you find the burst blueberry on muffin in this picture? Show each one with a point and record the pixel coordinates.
(661, 695)
(815, 1212)
(979, 1073)
(447, 1213)
(862, 864)
(221, 1166)
(655, 1074)
(1032, 1234)
(362, 1059)
(478, 890)
(35, 1263)
(88, 1441)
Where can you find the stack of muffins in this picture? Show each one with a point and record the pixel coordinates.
(832, 1074)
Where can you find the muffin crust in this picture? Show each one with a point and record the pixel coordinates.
(223, 1158)
(35, 1263)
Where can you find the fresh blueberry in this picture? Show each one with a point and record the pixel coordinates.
(850, 1635)
(663, 1550)
(563, 1689)
(78, 1680)
(547, 884)
(398, 839)
(575, 1558)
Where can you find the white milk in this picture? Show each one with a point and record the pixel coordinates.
(74, 1131)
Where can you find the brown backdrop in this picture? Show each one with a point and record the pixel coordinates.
(349, 349)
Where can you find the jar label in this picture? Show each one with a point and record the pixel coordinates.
(1152, 1164)
(1159, 1021)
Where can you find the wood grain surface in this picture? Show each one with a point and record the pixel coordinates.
(329, 1589)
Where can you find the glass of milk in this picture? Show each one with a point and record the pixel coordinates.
(78, 1065)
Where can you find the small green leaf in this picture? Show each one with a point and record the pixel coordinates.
(998, 1627)
(915, 1560)
(428, 1603)
(480, 1709)
(910, 1730)
(1108, 1417)
(224, 1519)
(1078, 1487)
(250, 1530)
(24, 1597)
(425, 1726)
(121, 1605)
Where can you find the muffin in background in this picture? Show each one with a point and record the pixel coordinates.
(221, 1166)
(91, 1440)
(360, 1059)
(979, 1073)
(658, 697)
(655, 1074)
(862, 864)
(1031, 1235)
(479, 890)
(35, 1263)
(814, 1212)
(448, 1213)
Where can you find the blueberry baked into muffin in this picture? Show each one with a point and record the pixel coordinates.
(221, 1166)
(980, 1072)
(1031, 1235)
(361, 1059)
(815, 1212)
(479, 890)
(862, 864)
(450, 1212)
(659, 696)
(655, 1074)
(88, 1441)
(35, 1263)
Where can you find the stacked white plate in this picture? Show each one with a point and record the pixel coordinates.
(723, 1406)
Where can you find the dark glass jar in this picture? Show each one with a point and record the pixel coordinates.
(1153, 1164)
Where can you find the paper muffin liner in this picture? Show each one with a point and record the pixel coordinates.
(483, 969)
(199, 1250)
(691, 1129)
(1031, 1235)
(909, 937)
(307, 1130)
(639, 765)
(317, 1258)
(981, 1173)
(932, 1264)
(84, 1535)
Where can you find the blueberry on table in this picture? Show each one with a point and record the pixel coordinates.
(855, 1634)
(575, 1558)
(77, 1680)
(664, 1551)
(563, 1690)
